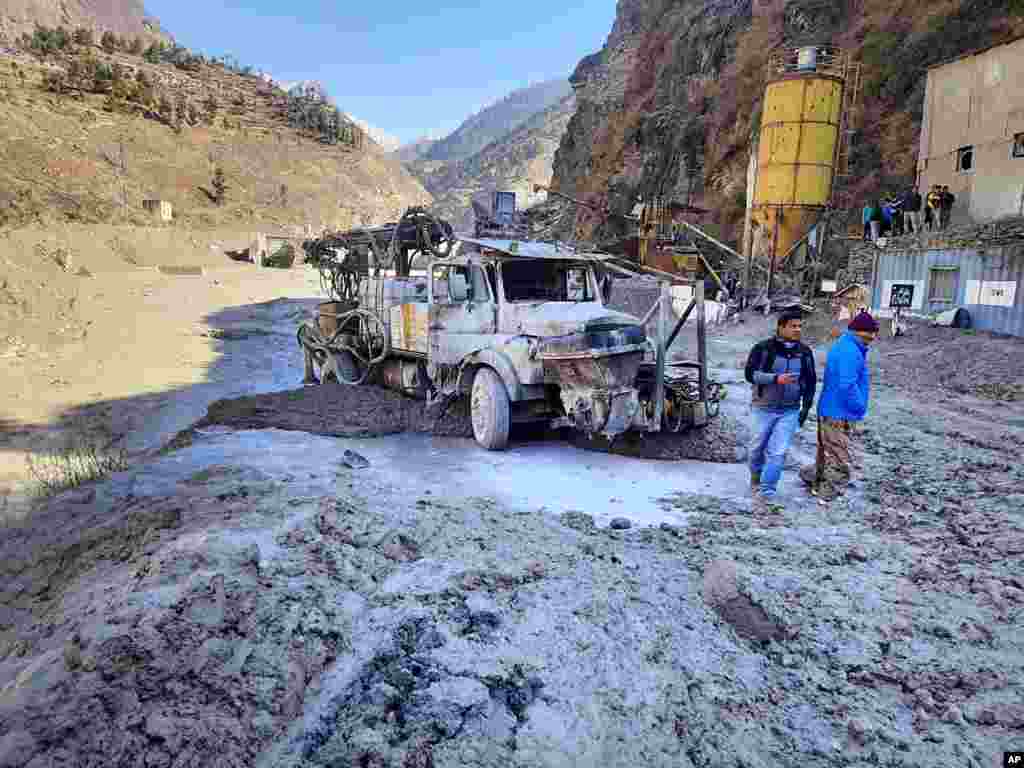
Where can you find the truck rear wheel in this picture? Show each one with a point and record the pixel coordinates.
(489, 409)
(342, 367)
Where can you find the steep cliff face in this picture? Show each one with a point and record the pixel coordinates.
(123, 17)
(642, 105)
(681, 83)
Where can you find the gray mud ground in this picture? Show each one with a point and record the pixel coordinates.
(248, 600)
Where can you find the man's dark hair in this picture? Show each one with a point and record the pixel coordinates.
(790, 314)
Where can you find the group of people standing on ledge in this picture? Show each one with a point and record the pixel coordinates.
(903, 213)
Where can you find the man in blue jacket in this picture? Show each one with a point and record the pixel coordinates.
(843, 402)
(781, 370)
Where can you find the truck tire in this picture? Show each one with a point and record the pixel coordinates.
(489, 409)
(341, 366)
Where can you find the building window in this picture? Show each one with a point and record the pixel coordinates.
(1018, 145)
(942, 287)
(965, 159)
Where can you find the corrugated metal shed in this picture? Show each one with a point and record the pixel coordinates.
(976, 276)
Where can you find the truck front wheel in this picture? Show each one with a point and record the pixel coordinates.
(489, 408)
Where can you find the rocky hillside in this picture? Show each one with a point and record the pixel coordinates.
(384, 140)
(495, 121)
(122, 17)
(515, 162)
(413, 151)
(685, 79)
(161, 132)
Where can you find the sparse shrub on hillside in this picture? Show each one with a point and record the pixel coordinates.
(152, 54)
(83, 36)
(220, 186)
(210, 106)
(103, 78)
(79, 74)
(145, 95)
(55, 82)
(109, 42)
(45, 41)
(121, 92)
(165, 107)
(182, 58)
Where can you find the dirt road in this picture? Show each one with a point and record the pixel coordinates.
(133, 355)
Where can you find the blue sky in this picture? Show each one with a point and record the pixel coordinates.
(409, 68)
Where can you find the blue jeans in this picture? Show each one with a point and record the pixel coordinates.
(773, 432)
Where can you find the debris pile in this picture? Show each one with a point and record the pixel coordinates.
(340, 411)
(962, 362)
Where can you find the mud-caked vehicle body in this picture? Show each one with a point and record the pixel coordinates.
(519, 327)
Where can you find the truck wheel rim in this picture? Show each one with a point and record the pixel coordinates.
(481, 402)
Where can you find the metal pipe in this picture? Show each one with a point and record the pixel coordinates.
(708, 237)
(821, 219)
(659, 370)
(702, 358)
(682, 322)
(652, 310)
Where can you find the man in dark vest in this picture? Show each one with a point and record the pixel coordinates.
(781, 371)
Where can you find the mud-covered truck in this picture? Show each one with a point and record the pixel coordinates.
(520, 327)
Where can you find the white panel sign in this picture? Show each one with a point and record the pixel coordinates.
(828, 286)
(998, 294)
(991, 293)
(973, 292)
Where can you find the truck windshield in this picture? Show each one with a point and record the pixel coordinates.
(545, 280)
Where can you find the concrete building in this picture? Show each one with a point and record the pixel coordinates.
(161, 210)
(972, 133)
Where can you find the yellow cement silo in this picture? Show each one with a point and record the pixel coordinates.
(798, 142)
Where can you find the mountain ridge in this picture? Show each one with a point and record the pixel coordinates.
(494, 121)
(122, 17)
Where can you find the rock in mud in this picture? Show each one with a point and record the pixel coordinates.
(353, 460)
(722, 592)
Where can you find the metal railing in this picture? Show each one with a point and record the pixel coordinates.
(821, 59)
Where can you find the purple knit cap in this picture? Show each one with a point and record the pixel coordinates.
(864, 322)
